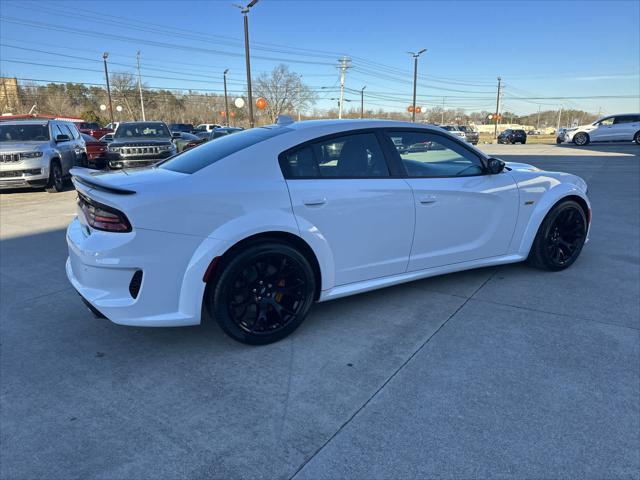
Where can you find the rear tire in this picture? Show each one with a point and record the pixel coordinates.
(581, 139)
(262, 294)
(56, 180)
(560, 237)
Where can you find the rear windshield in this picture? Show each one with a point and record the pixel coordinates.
(195, 159)
(24, 133)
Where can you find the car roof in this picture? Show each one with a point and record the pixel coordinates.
(350, 124)
(26, 122)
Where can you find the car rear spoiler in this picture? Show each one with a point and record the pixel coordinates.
(87, 178)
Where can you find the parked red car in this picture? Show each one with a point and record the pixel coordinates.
(93, 129)
(96, 152)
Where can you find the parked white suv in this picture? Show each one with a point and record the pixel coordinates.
(39, 153)
(613, 128)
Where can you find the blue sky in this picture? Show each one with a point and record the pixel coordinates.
(541, 49)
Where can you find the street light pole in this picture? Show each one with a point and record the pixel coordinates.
(415, 79)
(226, 100)
(362, 101)
(144, 119)
(105, 55)
(244, 11)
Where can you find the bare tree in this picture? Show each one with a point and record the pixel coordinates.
(284, 92)
(123, 88)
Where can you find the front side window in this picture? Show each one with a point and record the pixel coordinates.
(347, 156)
(606, 121)
(426, 155)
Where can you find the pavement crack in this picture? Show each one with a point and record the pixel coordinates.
(391, 377)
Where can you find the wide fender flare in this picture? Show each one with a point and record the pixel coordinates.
(543, 206)
(227, 235)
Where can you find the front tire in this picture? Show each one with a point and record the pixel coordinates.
(581, 139)
(56, 180)
(263, 293)
(636, 138)
(560, 237)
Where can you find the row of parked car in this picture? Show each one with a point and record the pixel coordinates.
(41, 152)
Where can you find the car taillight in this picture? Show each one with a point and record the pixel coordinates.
(103, 217)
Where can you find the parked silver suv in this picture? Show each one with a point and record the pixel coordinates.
(39, 153)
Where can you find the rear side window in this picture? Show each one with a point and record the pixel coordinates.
(196, 159)
(347, 156)
(626, 119)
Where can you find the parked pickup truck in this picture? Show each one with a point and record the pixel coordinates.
(93, 129)
(138, 144)
(471, 134)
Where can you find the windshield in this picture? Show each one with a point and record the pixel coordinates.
(144, 130)
(24, 133)
(192, 160)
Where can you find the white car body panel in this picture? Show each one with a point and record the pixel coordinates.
(350, 213)
(366, 234)
(462, 219)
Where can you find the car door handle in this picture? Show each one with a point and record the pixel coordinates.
(426, 199)
(314, 201)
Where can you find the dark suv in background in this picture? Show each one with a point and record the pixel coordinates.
(471, 135)
(513, 136)
(181, 127)
(138, 144)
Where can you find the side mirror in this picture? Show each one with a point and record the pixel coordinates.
(62, 138)
(495, 166)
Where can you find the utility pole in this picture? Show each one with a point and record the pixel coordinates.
(415, 79)
(144, 119)
(226, 99)
(105, 55)
(299, 95)
(442, 121)
(362, 101)
(538, 124)
(495, 128)
(559, 117)
(344, 65)
(244, 11)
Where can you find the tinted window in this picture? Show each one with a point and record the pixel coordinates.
(428, 155)
(68, 128)
(57, 130)
(191, 161)
(606, 121)
(23, 133)
(348, 156)
(626, 119)
(145, 130)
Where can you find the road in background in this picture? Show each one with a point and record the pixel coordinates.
(509, 371)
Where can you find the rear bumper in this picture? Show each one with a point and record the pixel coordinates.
(101, 266)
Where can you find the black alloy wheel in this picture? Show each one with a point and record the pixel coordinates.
(263, 293)
(560, 238)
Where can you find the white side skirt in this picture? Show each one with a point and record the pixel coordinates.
(373, 284)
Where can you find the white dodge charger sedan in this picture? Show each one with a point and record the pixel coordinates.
(255, 227)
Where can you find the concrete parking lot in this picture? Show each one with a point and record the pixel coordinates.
(506, 372)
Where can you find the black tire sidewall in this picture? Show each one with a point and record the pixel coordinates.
(219, 293)
(636, 138)
(540, 255)
(52, 185)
